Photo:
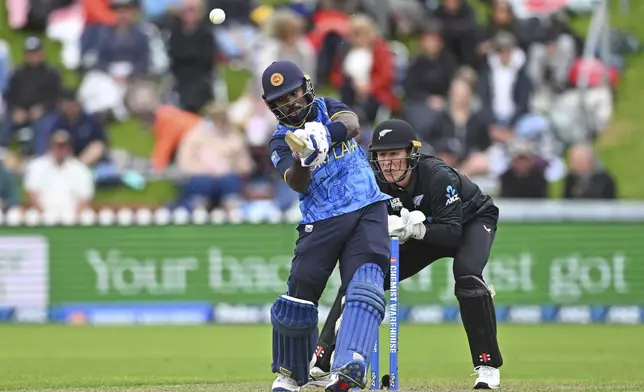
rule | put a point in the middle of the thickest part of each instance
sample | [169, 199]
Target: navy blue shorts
[353, 239]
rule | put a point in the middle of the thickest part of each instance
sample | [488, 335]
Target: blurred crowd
[504, 96]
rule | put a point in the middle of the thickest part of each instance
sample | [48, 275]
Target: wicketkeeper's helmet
[394, 134]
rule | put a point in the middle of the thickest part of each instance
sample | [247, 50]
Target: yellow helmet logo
[277, 79]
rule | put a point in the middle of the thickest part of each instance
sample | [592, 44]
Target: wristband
[338, 131]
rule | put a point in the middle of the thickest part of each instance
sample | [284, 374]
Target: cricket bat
[295, 143]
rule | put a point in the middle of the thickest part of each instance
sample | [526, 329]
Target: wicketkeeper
[436, 212]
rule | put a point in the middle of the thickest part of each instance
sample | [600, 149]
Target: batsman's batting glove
[317, 147]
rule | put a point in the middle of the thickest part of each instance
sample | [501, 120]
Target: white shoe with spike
[284, 384]
[488, 378]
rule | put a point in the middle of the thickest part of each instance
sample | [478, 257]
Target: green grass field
[237, 358]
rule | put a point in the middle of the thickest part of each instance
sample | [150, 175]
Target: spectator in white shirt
[504, 87]
[59, 185]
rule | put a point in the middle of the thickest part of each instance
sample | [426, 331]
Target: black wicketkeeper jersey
[448, 199]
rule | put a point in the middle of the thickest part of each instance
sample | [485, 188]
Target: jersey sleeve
[281, 155]
[444, 190]
[335, 107]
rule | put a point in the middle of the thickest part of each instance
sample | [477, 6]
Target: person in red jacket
[365, 71]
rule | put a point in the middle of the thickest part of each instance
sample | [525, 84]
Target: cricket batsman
[436, 212]
[344, 218]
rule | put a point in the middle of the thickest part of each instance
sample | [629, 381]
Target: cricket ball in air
[217, 16]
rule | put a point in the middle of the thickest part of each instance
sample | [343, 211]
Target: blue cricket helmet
[281, 79]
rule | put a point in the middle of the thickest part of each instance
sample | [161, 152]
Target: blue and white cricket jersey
[343, 183]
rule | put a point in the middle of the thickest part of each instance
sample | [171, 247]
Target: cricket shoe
[319, 377]
[349, 376]
[488, 378]
[284, 384]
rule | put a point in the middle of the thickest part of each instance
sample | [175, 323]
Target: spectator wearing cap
[32, 92]
[504, 87]
[192, 50]
[525, 178]
[87, 138]
[427, 81]
[58, 184]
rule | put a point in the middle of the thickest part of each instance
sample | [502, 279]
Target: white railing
[511, 211]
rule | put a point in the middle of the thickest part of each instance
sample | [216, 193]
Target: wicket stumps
[392, 381]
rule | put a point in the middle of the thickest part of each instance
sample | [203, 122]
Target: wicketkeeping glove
[407, 225]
